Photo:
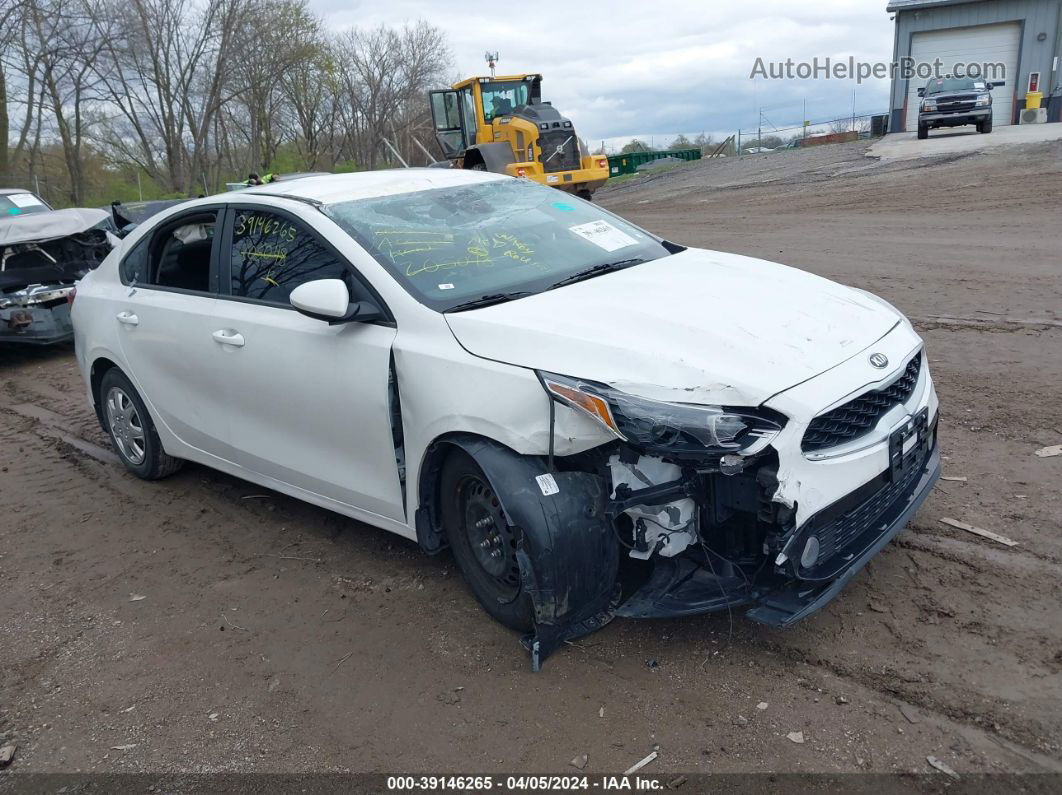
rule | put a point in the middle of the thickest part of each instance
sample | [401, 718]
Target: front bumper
[800, 598]
[590, 177]
[944, 119]
[36, 325]
[681, 587]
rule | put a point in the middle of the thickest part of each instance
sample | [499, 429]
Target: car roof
[332, 188]
[8, 191]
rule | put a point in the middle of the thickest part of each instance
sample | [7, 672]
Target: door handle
[226, 337]
[128, 319]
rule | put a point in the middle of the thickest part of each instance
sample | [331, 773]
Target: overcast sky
[657, 67]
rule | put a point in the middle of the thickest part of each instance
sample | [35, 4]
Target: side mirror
[997, 84]
[921, 92]
[329, 300]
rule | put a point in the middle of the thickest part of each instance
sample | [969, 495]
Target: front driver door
[308, 401]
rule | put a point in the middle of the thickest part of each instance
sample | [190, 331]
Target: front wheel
[483, 542]
[585, 195]
[131, 429]
[985, 127]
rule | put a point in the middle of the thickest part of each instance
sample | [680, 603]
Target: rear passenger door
[308, 401]
[165, 317]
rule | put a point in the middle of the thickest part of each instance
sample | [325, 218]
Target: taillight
[521, 172]
[70, 296]
[602, 163]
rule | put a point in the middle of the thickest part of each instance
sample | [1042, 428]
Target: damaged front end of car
[684, 513]
[41, 258]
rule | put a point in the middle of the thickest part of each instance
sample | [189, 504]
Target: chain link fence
[769, 137]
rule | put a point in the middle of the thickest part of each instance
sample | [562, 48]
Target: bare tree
[191, 92]
[166, 73]
[278, 36]
[61, 47]
[310, 87]
[385, 74]
[10, 24]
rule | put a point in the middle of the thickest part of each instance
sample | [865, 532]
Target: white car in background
[596, 421]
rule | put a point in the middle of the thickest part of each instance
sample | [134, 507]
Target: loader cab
[463, 115]
[502, 97]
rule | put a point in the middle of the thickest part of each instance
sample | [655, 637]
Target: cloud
[623, 68]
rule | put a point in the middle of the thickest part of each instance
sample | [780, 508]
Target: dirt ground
[201, 624]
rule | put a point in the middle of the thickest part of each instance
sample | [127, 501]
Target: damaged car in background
[43, 252]
[596, 421]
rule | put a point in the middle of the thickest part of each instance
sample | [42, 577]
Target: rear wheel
[132, 432]
[923, 132]
[483, 542]
[478, 167]
[586, 195]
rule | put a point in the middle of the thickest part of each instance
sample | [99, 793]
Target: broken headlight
[671, 429]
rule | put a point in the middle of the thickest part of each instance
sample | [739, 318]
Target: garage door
[982, 44]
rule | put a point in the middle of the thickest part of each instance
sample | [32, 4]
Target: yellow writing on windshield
[418, 251]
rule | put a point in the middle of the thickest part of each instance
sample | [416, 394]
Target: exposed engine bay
[41, 258]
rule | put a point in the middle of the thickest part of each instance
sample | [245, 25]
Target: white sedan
[596, 421]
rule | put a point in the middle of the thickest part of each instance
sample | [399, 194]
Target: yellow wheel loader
[501, 124]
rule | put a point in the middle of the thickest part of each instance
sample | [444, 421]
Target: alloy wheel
[126, 427]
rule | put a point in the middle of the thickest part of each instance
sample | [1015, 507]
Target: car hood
[42, 227]
[696, 327]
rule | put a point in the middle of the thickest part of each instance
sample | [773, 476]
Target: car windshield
[941, 85]
[21, 204]
[448, 246]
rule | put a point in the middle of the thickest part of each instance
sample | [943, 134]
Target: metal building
[1023, 35]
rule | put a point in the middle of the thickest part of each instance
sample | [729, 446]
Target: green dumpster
[618, 165]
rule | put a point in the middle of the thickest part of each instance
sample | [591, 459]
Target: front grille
[955, 106]
[564, 158]
[840, 535]
[858, 416]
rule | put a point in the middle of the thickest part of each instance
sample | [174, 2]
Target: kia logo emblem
[879, 360]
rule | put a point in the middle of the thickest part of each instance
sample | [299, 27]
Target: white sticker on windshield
[604, 235]
[547, 485]
[446, 286]
[24, 200]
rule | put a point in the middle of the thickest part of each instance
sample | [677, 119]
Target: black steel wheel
[483, 542]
